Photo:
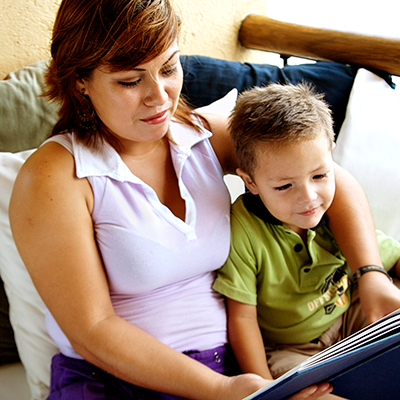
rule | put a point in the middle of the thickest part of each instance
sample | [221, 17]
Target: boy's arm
[351, 222]
[245, 338]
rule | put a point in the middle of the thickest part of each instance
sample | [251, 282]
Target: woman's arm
[351, 222]
[50, 214]
[245, 338]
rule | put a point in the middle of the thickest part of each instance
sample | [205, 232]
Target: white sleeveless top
[160, 268]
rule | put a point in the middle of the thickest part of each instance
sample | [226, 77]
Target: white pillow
[34, 345]
[222, 106]
[368, 146]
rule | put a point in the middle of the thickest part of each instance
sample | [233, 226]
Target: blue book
[363, 366]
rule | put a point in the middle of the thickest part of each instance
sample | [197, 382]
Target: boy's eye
[319, 176]
[284, 187]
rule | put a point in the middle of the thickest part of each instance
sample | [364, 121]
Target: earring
[87, 117]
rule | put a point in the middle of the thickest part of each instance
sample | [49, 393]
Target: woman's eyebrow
[172, 56]
[166, 62]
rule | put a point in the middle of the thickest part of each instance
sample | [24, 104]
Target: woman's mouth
[156, 119]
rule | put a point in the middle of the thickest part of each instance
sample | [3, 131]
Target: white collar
[108, 162]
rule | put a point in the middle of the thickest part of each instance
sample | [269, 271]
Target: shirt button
[298, 248]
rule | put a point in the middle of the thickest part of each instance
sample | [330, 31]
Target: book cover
[362, 366]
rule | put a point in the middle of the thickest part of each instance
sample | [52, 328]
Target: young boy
[290, 292]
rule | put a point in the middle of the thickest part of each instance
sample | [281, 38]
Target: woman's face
[137, 105]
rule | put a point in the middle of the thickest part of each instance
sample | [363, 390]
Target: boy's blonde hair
[277, 114]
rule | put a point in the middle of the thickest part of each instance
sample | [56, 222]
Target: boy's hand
[378, 296]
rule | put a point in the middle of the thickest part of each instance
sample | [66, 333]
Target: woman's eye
[284, 187]
[129, 84]
[169, 71]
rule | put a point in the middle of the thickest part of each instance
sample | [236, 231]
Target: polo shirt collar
[254, 204]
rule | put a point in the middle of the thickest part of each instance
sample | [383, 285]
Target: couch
[364, 104]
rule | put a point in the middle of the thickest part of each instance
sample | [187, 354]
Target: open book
[363, 366]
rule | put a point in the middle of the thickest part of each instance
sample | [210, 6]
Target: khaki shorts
[282, 358]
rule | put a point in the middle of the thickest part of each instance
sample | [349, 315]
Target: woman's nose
[157, 94]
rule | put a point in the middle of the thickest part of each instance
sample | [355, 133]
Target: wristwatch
[368, 268]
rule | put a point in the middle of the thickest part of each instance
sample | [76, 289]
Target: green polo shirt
[299, 289]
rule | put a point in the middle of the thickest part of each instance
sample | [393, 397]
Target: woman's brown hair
[119, 34]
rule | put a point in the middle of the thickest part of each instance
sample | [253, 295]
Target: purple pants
[73, 379]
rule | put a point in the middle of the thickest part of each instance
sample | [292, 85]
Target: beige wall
[25, 27]
[210, 27]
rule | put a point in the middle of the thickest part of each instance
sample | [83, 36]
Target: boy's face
[295, 181]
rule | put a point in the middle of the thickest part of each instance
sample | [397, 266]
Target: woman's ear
[250, 184]
[80, 86]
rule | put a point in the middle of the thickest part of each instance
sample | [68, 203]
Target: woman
[121, 217]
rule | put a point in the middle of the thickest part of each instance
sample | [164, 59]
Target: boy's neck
[254, 204]
[300, 231]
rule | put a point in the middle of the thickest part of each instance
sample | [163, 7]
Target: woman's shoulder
[50, 171]
[50, 159]
[222, 142]
[64, 139]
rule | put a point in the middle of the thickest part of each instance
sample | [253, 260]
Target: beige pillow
[25, 118]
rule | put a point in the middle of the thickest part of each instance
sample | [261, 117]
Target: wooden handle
[263, 33]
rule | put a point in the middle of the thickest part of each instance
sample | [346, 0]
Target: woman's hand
[241, 386]
[313, 392]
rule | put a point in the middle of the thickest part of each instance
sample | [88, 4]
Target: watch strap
[368, 268]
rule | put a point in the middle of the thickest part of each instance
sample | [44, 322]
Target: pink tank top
[160, 268]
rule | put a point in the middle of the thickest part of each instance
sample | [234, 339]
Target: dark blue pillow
[207, 79]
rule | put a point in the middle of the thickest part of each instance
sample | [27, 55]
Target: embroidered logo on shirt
[335, 286]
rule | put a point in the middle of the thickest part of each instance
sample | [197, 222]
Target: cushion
[26, 308]
[8, 348]
[207, 79]
[25, 118]
[368, 146]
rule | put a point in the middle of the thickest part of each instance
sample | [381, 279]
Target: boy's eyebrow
[166, 62]
[285, 178]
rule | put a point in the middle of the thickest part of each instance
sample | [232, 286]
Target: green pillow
[26, 119]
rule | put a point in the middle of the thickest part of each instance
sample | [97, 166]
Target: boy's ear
[250, 184]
